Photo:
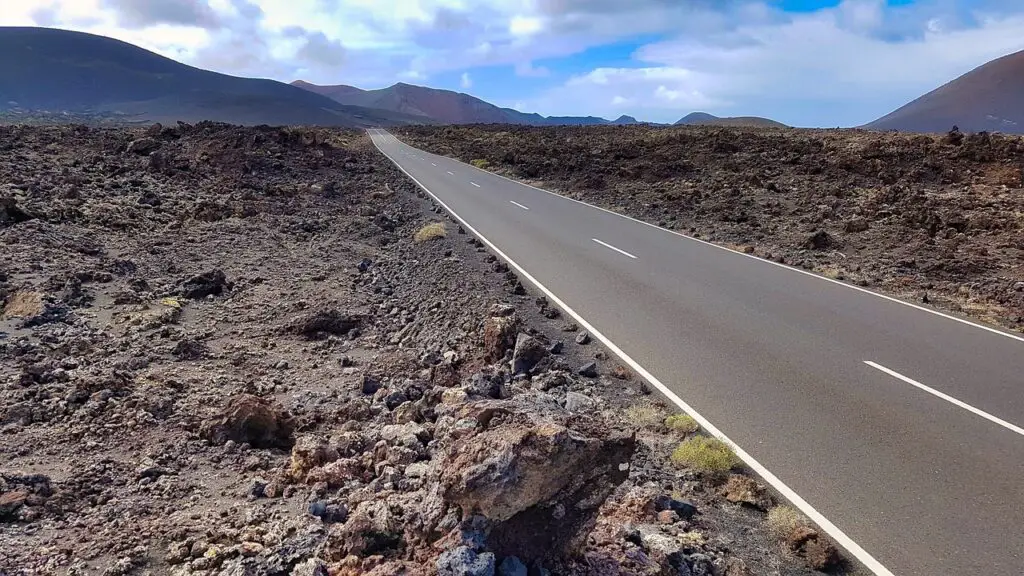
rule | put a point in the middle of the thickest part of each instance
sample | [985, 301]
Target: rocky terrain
[935, 219]
[233, 351]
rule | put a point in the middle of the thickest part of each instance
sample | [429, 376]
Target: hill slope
[444, 106]
[990, 98]
[46, 69]
[705, 119]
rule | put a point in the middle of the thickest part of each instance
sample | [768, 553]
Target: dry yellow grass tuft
[645, 415]
[682, 423]
[705, 454]
[431, 231]
[693, 538]
[23, 304]
[480, 163]
[783, 520]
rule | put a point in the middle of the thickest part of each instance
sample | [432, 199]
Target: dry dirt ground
[223, 352]
[935, 219]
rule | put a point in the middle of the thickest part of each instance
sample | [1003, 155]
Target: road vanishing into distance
[896, 428]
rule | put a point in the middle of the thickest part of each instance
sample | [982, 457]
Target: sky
[822, 63]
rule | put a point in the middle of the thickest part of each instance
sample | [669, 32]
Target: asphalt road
[914, 462]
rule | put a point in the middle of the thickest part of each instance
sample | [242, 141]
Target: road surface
[897, 428]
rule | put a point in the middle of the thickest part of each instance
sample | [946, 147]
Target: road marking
[432, 164]
[947, 398]
[450, 173]
[619, 250]
[475, 184]
[788, 493]
[518, 204]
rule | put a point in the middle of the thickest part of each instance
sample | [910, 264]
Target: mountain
[988, 98]
[574, 121]
[46, 69]
[705, 119]
[625, 120]
[445, 106]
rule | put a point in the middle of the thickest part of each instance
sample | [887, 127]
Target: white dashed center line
[450, 173]
[475, 184]
[518, 204]
[619, 250]
[947, 398]
[432, 164]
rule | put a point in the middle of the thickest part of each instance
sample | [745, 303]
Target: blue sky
[803, 62]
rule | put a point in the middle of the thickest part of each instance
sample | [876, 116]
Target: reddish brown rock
[499, 336]
[507, 474]
[11, 502]
[668, 517]
[745, 490]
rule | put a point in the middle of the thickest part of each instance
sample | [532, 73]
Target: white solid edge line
[788, 493]
[947, 398]
[475, 184]
[783, 266]
[518, 204]
[619, 250]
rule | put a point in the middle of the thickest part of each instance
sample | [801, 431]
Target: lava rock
[149, 198]
[487, 386]
[745, 490]
[684, 509]
[252, 420]
[583, 338]
[589, 370]
[512, 566]
[528, 353]
[820, 240]
[499, 334]
[143, 146]
[320, 324]
[576, 402]
[464, 561]
[211, 283]
[11, 213]
[370, 384]
[317, 508]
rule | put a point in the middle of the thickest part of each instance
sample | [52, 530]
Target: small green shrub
[480, 163]
[705, 454]
[683, 423]
[431, 231]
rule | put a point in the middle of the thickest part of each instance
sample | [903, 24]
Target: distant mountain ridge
[705, 119]
[65, 74]
[446, 106]
[988, 98]
[46, 69]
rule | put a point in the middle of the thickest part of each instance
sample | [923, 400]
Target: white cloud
[843, 66]
[465, 82]
[381, 39]
[849, 63]
[651, 92]
[525, 26]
